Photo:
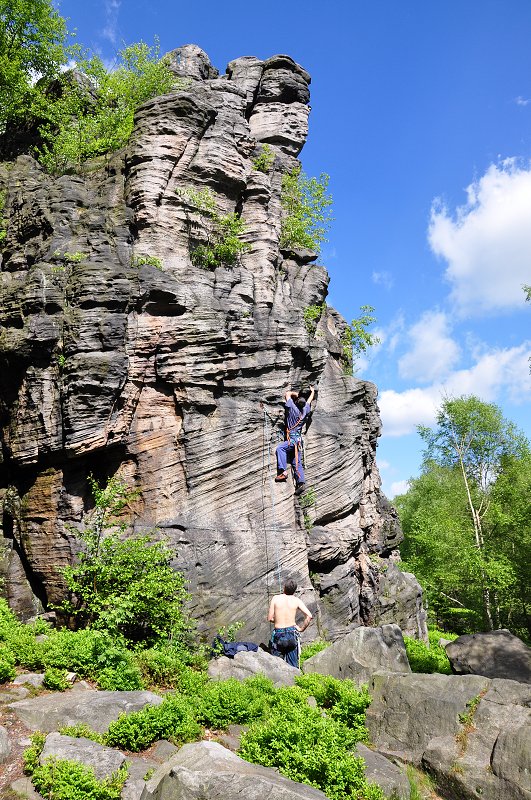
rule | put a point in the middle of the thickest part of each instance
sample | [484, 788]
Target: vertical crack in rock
[157, 375]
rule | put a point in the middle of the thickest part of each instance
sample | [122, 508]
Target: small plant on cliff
[150, 261]
[124, 585]
[223, 232]
[306, 210]
[265, 160]
[356, 339]
[312, 315]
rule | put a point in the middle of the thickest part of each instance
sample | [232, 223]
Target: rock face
[112, 366]
[498, 654]
[206, 769]
[361, 653]
[245, 665]
[472, 733]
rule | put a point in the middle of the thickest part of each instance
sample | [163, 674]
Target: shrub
[312, 315]
[67, 780]
[82, 731]
[7, 664]
[224, 244]
[55, 679]
[309, 748]
[309, 650]
[231, 702]
[265, 160]
[126, 587]
[344, 701]
[172, 719]
[356, 339]
[306, 210]
[427, 659]
[94, 114]
[31, 755]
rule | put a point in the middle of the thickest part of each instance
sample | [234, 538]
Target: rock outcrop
[471, 733]
[361, 653]
[497, 654]
[246, 665]
[171, 376]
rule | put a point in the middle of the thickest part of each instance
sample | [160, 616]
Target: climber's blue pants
[286, 453]
[285, 644]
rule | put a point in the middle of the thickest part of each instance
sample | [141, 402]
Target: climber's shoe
[299, 489]
[281, 477]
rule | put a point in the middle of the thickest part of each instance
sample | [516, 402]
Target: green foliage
[467, 717]
[223, 232]
[151, 261]
[55, 679]
[308, 499]
[231, 702]
[265, 160]
[344, 700]
[125, 586]
[312, 315]
[164, 666]
[527, 291]
[58, 779]
[32, 42]
[31, 755]
[93, 114]
[173, 719]
[306, 210]
[7, 664]
[427, 659]
[74, 258]
[311, 649]
[308, 747]
[82, 731]
[356, 339]
[228, 634]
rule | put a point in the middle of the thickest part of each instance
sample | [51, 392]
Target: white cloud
[384, 279]
[496, 374]
[433, 352]
[487, 244]
[522, 101]
[398, 487]
[110, 31]
[383, 464]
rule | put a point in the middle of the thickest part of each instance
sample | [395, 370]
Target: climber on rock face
[282, 613]
[297, 409]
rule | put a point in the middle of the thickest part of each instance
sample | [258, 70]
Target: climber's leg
[298, 469]
[282, 461]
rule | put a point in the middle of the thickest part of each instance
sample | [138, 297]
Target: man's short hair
[290, 587]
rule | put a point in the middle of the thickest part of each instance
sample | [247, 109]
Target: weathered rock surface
[207, 769]
[156, 375]
[472, 733]
[246, 664]
[361, 653]
[5, 747]
[498, 654]
[94, 708]
[103, 760]
[35, 679]
[378, 769]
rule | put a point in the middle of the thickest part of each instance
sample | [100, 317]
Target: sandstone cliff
[158, 375]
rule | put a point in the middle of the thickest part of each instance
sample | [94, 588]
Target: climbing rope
[273, 522]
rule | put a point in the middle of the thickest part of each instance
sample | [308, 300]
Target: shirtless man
[282, 612]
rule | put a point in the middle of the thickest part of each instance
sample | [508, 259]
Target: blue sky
[421, 115]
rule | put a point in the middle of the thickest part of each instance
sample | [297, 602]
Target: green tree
[125, 584]
[473, 439]
[32, 45]
[356, 339]
[93, 112]
[306, 210]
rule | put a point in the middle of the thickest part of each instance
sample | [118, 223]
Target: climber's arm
[307, 617]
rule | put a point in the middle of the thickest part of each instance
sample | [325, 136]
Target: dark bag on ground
[229, 649]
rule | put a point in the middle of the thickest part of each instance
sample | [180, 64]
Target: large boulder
[498, 654]
[379, 770]
[471, 733]
[361, 653]
[103, 760]
[208, 770]
[246, 664]
[93, 708]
